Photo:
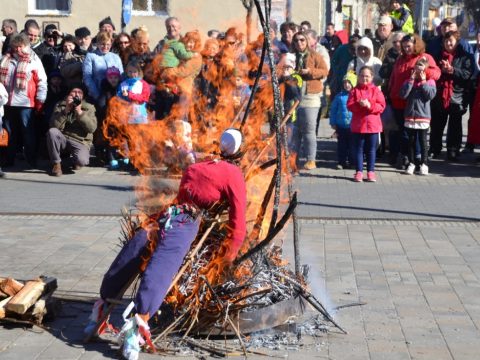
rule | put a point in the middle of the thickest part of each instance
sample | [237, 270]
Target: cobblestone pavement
[408, 247]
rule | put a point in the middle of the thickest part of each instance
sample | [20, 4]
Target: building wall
[201, 14]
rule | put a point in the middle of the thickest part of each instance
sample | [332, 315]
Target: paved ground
[407, 246]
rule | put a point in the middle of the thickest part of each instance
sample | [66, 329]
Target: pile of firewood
[26, 301]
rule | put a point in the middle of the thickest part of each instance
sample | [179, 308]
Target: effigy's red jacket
[207, 182]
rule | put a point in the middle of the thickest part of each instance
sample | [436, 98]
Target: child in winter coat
[108, 89]
[340, 119]
[366, 102]
[3, 101]
[291, 84]
[136, 92]
[418, 91]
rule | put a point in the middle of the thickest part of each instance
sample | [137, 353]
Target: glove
[38, 106]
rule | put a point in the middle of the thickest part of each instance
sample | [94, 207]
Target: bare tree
[248, 4]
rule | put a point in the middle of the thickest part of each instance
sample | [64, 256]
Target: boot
[57, 169]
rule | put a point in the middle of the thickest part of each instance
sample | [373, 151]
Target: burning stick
[271, 235]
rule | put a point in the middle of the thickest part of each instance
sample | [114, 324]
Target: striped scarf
[20, 74]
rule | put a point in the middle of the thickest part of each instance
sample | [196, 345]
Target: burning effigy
[211, 250]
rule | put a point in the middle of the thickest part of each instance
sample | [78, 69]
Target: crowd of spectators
[56, 89]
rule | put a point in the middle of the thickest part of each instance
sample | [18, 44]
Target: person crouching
[71, 130]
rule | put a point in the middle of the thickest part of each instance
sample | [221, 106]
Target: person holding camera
[71, 130]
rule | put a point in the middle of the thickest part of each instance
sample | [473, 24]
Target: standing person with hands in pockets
[366, 102]
[418, 91]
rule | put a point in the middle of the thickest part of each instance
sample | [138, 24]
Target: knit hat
[230, 142]
[107, 20]
[351, 78]
[112, 71]
[82, 32]
[290, 60]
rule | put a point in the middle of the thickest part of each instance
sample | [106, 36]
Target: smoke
[318, 286]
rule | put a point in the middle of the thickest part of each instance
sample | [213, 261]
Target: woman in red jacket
[366, 102]
[413, 48]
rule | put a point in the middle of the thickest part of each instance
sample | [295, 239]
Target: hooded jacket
[402, 71]
[364, 120]
[372, 61]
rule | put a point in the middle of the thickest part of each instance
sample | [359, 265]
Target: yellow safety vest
[408, 26]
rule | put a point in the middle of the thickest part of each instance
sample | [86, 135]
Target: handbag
[3, 137]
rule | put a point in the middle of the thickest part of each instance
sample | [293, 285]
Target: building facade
[202, 15]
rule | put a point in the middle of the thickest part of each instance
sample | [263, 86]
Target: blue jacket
[94, 69]
[339, 115]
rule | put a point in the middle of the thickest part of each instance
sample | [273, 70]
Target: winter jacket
[36, 89]
[366, 121]
[70, 66]
[418, 95]
[381, 47]
[387, 68]
[74, 127]
[339, 114]
[48, 55]
[95, 67]
[375, 63]
[138, 93]
[339, 65]
[463, 68]
[402, 20]
[173, 51]
[318, 71]
[3, 101]
[402, 71]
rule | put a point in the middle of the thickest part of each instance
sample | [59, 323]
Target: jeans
[365, 143]
[417, 136]
[306, 134]
[20, 124]
[344, 146]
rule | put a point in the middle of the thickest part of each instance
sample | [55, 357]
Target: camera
[76, 101]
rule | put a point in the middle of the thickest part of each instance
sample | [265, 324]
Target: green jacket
[74, 127]
[173, 52]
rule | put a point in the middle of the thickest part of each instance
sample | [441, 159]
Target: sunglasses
[300, 40]
[124, 42]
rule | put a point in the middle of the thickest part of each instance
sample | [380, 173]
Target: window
[149, 7]
[49, 7]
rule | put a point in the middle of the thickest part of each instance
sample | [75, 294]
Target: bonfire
[208, 298]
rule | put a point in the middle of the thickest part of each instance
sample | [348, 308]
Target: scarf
[446, 81]
[300, 60]
[20, 74]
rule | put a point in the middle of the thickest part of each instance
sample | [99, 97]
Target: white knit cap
[230, 142]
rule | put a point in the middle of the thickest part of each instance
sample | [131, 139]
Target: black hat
[48, 29]
[78, 85]
[82, 32]
[107, 20]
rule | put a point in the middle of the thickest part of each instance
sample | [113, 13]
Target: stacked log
[26, 301]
